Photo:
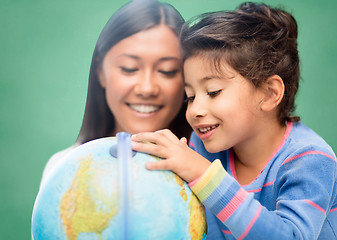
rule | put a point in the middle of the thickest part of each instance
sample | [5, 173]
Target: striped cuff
[209, 181]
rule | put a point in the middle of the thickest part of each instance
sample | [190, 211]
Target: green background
[46, 49]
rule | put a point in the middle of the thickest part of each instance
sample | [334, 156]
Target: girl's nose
[196, 109]
[147, 86]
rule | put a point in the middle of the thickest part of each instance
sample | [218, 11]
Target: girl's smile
[206, 131]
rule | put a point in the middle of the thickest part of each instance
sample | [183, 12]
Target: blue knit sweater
[294, 197]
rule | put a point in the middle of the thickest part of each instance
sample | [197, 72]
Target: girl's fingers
[161, 137]
[148, 137]
[166, 134]
[148, 148]
[144, 137]
[160, 165]
[183, 140]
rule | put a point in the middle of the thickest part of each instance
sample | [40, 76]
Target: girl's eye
[214, 93]
[189, 99]
[128, 70]
[169, 73]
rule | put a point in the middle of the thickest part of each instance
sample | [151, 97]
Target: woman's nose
[147, 85]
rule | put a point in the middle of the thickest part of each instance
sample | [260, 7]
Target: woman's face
[142, 77]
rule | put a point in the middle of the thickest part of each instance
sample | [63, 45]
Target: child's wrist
[201, 174]
[191, 184]
[208, 174]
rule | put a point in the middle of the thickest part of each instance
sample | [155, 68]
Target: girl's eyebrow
[204, 79]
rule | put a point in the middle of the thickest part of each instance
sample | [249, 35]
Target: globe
[102, 190]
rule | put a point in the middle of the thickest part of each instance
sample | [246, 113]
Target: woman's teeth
[144, 108]
[207, 129]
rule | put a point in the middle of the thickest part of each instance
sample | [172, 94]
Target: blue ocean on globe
[101, 190]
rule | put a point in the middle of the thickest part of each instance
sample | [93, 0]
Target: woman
[135, 81]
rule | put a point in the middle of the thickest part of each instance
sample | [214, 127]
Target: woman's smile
[144, 108]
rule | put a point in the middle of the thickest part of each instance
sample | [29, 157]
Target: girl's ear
[274, 92]
[100, 75]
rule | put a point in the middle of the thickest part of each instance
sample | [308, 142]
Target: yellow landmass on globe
[182, 192]
[197, 223]
[86, 207]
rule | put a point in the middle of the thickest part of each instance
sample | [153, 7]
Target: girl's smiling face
[142, 77]
[223, 108]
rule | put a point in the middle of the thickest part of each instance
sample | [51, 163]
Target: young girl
[259, 171]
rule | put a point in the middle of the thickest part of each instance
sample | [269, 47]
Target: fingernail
[148, 165]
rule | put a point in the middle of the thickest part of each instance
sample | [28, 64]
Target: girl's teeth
[144, 108]
[207, 129]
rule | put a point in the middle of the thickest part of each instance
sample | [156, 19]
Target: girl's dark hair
[256, 40]
[136, 16]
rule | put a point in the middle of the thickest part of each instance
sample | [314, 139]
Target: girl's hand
[176, 154]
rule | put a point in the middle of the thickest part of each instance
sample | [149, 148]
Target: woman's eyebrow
[163, 59]
[169, 59]
[130, 56]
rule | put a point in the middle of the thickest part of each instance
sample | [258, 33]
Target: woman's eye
[169, 73]
[128, 70]
[189, 99]
[214, 93]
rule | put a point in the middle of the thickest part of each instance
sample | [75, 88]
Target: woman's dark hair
[134, 17]
[256, 40]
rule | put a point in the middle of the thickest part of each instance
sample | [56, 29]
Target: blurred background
[46, 48]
